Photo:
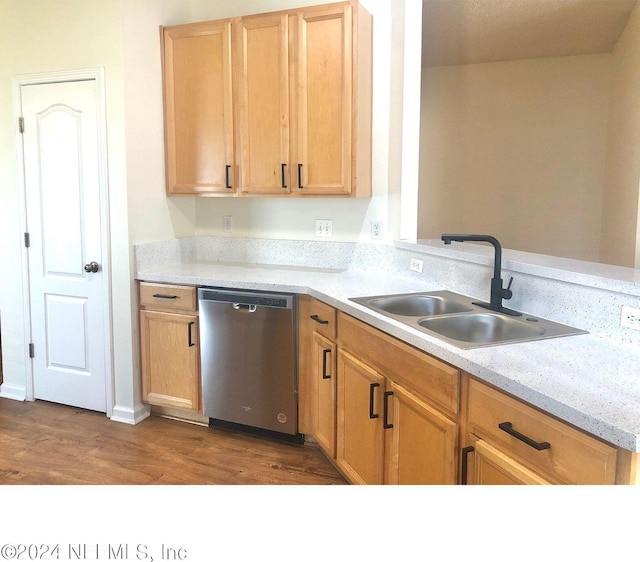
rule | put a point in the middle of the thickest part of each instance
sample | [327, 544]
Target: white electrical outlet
[630, 318]
[227, 222]
[376, 229]
[324, 228]
[415, 265]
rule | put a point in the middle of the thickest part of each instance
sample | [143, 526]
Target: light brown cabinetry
[317, 372]
[508, 442]
[396, 410]
[298, 85]
[198, 108]
[262, 44]
[420, 446]
[169, 346]
[332, 149]
[360, 451]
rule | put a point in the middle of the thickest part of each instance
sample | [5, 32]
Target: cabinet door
[324, 372]
[360, 439]
[198, 108]
[170, 359]
[421, 446]
[324, 101]
[490, 466]
[263, 104]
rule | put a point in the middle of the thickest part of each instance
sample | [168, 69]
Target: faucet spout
[498, 291]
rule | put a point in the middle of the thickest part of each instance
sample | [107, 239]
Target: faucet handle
[506, 293]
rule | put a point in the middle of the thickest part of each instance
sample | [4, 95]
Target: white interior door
[62, 182]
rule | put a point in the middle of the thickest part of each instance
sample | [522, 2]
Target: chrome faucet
[498, 291]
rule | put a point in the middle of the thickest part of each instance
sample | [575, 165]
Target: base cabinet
[317, 372]
[510, 442]
[360, 450]
[388, 431]
[324, 374]
[420, 443]
[492, 467]
[169, 346]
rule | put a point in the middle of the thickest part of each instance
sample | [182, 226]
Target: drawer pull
[508, 428]
[385, 422]
[283, 172]
[159, 296]
[317, 319]
[465, 464]
[325, 352]
[372, 388]
[190, 325]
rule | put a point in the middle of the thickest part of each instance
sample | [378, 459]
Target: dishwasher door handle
[244, 307]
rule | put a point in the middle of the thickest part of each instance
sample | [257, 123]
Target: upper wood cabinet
[332, 150]
[275, 104]
[198, 108]
[263, 104]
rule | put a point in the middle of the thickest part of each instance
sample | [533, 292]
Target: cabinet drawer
[168, 297]
[323, 319]
[430, 378]
[563, 453]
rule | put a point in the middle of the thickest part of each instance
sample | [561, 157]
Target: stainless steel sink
[417, 305]
[454, 318]
[482, 328]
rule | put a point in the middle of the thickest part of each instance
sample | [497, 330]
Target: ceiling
[473, 31]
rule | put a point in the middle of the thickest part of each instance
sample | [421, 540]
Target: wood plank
[45, 443]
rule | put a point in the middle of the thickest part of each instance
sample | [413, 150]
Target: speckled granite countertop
[587, 380]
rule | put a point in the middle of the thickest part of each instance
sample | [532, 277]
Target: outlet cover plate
[630, 317]
[376, 229]
[324, 228]
[227, 223]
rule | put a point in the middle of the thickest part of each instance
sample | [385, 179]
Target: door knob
[92, 267]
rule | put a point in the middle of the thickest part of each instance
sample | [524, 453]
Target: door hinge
[27, 240]
[32, 350]
[21, 124]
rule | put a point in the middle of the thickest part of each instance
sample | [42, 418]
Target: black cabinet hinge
[32, 350]
[27, 240]
[21, 124]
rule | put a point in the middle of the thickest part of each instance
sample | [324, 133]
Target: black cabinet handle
[300, 186]
[385, 422]
[227, 170]
[159, 296]
[283, 171]
[191, 344]
[317, 319]
[372, 388]
[465, 464]
[325, 352]
[508, 428]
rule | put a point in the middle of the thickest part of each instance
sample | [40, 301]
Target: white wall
[517, 149]
[123, 37]
[621, 212]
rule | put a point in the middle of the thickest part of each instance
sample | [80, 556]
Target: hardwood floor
[44, 443]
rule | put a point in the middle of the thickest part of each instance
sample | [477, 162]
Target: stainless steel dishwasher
[248, 359]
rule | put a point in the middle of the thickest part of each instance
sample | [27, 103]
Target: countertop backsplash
[581, 294]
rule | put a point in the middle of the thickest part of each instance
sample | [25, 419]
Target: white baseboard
[13, 392]
[131, 416]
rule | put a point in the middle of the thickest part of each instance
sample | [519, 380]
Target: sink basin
[456, 319]
[417, 305]
[483, 328]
